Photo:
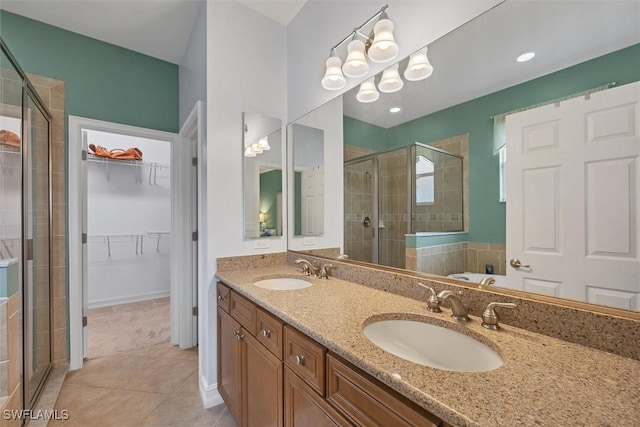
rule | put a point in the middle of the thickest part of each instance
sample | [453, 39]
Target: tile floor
[152, 386]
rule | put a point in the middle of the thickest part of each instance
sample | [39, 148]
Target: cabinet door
[304, 408]
[229, 363]
[262, 403]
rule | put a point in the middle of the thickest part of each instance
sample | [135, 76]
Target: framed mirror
[262, 175]
[476, 79]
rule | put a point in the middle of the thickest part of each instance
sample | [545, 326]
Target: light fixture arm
[356, 31]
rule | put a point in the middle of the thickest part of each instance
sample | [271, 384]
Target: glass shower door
[37, 250]
[360, 216]
[393, 205]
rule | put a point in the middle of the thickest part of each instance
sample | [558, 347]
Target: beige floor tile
[97, 406]
[152, 374]
[225, 420]
[165, 350]
[182, 410]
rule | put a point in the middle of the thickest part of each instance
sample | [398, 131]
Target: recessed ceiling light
[525, 57]
[394, 109]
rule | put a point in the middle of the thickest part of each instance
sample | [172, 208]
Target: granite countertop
[544, 381]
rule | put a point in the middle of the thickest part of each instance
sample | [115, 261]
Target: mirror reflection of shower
[411, 190]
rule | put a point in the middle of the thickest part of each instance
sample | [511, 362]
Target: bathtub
[501, 281]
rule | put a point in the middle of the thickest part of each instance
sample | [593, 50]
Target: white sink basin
[283, 284]
[432, 345]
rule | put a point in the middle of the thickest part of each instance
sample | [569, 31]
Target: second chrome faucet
[458, 310]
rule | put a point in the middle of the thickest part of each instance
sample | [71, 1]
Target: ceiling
[158, 28]
[479, 58]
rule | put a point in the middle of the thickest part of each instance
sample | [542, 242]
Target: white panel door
[312, 190]
[572, 209]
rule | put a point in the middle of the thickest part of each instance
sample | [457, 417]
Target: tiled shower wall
[451, 187]
[358, 204]
[392, 200]
[446, 259]
[52, 93]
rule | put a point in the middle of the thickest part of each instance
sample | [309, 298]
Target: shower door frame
[29, 92]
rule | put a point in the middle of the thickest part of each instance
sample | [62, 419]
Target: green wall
[487, 216]
[364, 135]
[270, 186]
[102, 81]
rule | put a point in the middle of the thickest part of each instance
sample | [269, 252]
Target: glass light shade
[391, 81]
[356, 64]
[384, 47]
[419, 67]
[368, 92]
[263, 144]
[333, 78]
[255, 149]
[248, 152]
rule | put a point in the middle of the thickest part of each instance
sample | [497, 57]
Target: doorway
[128, 232]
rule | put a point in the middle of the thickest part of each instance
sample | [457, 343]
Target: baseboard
[209, 394]
[128, 299]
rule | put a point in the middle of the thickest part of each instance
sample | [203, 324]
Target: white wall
[246, 71]
[192, 72]
[321, 24]
[122, 202]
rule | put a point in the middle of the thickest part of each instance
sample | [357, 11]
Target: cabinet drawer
[303, 407]
[244, 311]
[269, 332]
[223, 296]
[305, 357]
[366, 402]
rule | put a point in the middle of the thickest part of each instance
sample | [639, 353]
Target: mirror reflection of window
[424, 181]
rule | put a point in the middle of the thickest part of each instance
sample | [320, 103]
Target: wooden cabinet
[305, 357]
[366, 402]
[303, 406]
[271, 374]
[229, 363]
[250, 378]
[262, 403]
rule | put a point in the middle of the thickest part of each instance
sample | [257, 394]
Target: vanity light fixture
[333, 78]
[382, 48]
[263, 144]
[255, 148]
[419, 67]
[368, 92]
[356, 64]
[526, 57]
[390, 81]
[248, 152]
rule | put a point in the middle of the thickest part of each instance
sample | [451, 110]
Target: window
[424, 181]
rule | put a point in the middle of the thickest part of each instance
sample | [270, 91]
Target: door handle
[515, 263]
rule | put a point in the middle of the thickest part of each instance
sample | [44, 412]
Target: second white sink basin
[432, 345]
[283, 284]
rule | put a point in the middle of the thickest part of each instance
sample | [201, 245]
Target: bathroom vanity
[299, 357]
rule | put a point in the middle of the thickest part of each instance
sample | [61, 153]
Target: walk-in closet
[128, 221]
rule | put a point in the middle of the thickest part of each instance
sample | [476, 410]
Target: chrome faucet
[458, 310]
[343, 256]
[308, 268]
[488, 281]
[490, 318]
[433, 303]
[324, 271]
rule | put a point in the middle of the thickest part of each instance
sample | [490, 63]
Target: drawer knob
[266, 333]
[238, 335]
[221, 297]
[299, 359]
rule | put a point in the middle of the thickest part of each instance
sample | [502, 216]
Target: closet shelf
[137, 165]
[138, 239]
